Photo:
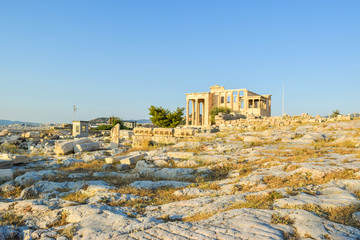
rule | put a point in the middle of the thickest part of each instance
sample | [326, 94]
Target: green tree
[165, 118]
[335, 113]
[216, 110]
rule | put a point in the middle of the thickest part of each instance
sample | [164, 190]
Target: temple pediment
[216, 88]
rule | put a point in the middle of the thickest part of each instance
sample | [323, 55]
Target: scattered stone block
[114, 159]
[66, 147]
[15, 158]
[133, 159]
[85, 147]
[31, 135]
[122, 167]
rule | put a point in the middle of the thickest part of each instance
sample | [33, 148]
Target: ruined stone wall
[160, 135]
[234, 121]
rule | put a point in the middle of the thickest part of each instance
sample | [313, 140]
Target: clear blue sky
[120, 57]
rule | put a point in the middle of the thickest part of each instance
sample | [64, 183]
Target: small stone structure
[241, 101]
[80, 128]
[130, 124]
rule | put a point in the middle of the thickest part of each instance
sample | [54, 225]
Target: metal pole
[74, 107]
[283, 100]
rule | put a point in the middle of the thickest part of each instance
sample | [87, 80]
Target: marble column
[197, 119]
[193, 112]
[225, 99]
[187, 112]
[203, 113]
[206, 113]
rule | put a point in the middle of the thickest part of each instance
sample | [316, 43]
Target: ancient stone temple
[240, 101]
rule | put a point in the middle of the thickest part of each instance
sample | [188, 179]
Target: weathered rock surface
[154, 185]
[6, 175]
[30, 178]
[295, 179]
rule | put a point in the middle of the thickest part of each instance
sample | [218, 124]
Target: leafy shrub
[335, 113]
[162, 117]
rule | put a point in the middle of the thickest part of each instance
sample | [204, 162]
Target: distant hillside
[101, 120]
[8, 122]
[105, 120]
[142, 121]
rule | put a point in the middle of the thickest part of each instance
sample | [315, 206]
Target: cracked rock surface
[285, 182]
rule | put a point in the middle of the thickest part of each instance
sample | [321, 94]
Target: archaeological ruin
[240, 101]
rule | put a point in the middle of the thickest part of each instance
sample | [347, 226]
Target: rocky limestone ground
[289, 182]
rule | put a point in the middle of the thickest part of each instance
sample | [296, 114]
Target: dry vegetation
[9, 218]
[78, 196]
[61, 221]
[278, 219]
[150, 197]
[68, 231]
[199, 216]
[304, 179]
[92, 166]
[259, 201]
[11, 193]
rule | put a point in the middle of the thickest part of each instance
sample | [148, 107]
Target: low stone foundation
[160, 135]
[238, 121]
